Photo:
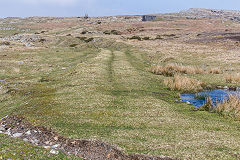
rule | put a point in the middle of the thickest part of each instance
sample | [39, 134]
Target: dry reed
[209, 105]
[232, 78]
[230, 107]
[181, 83]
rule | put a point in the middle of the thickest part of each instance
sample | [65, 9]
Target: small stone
[25, 140]
[28, 132]
[2, 129]
[35, 140]
[46, 147]
[188, 103]
[8, 132]
[219, 87]
[63, 68]
[20, 62]
[55, 146]
[74, 142]
[109, 155]
[16, 135]
[225, 87]
[54, 151]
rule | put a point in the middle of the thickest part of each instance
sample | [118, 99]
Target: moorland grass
[107, 94]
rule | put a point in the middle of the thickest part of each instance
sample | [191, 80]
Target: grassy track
[107, 94]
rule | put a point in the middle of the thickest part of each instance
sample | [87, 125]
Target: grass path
[109, 95]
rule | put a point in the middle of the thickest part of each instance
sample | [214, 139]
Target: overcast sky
[26, 8]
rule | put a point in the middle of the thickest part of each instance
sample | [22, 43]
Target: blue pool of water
[217, 96]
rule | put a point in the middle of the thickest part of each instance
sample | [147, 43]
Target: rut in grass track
[137, 110]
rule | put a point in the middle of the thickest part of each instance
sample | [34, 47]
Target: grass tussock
[208, 105]
[185, 84]
[232, 78]
[230, 107]
[135, 37]
[172, 69]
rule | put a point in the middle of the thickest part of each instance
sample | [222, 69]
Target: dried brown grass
[172, 69]
[181, 83]
[230, 107]
[232, 78]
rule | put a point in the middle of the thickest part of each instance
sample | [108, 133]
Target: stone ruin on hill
[148, 18]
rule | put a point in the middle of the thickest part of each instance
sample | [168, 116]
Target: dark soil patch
[17, 127]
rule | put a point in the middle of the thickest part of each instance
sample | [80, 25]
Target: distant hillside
[211, 13]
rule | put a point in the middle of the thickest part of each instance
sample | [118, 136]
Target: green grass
[107, 94]
[17, 149]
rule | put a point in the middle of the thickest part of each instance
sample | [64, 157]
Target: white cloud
[51, 2]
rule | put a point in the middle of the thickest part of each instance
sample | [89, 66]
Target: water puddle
[198, 99]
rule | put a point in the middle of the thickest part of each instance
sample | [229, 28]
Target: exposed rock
[195, 13]
[46, 147]
[54, 151]
[27, 40]
[16, 135]
[25, 139]
[225, 87]
[28, 132]
[2, 129]
[55, 146]
[20, 62]
[188, 103]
